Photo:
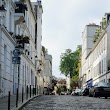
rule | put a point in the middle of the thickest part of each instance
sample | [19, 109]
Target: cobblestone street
[64, 102]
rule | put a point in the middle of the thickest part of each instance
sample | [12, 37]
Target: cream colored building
[95, 56]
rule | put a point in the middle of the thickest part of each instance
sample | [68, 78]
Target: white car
[72, 93]
[77, 91]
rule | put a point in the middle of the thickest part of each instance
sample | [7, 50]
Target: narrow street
[63, 102]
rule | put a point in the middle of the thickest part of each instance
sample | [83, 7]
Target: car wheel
[90, 95]
[106, 97]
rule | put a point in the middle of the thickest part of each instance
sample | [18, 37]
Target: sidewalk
[4, 101]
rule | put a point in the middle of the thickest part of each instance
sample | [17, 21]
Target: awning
[89, 83]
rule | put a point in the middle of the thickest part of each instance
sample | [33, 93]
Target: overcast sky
[64, 21]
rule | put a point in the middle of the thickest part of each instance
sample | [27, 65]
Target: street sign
[16, 52]
[16, 60]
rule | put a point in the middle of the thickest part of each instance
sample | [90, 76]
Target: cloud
[64, 21]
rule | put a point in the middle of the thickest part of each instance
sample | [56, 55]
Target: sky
[63, 23]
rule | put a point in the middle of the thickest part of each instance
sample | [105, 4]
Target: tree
[70, 61]
[67, 62]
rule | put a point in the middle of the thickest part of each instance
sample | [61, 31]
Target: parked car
[100, 89]
[72, 93]
[85, 91]
[68, 93]
[81, 92]
[62, 93]
[77, 91]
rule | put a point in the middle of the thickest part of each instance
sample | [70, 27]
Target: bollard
[30, 91]
[37, 90]
[27, 93]
[17, 97]
[9, 100]
[22, 94]
[33, 90]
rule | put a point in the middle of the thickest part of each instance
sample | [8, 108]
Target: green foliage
[104, 22]
[43, 49]
[70, 61]
[61, 89]
[95, 38]
[97, 34]
[23, 1]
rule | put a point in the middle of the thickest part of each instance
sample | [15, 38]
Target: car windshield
[103, 84]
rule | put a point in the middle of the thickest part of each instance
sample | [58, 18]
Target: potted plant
[95, 37]
[39, 70]
[26, 39]
[2, 8]
[18, 36]
[104, 22]
[21, 7]
[11, 33]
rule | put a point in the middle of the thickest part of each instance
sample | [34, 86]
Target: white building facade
[19, 22]
[48, 71]
[95, 56]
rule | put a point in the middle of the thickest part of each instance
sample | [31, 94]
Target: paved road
[64, 102]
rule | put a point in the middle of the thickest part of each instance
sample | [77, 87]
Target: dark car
[68, 93]
[100, 89]
[85, 92]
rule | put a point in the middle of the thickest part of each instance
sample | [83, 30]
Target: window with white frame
[99, 67]
[104, 43]
[5, 59]
[10, 21]
[102, 66]
[11, 62]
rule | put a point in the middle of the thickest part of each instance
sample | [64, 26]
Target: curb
[21, 105]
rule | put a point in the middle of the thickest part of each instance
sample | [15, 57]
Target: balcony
[2, 8]
[20, 7]
[20, 12]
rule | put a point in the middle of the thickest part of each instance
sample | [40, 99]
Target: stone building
[20, 44]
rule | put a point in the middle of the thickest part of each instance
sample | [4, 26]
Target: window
[5, 59]
[11, 62]
[108, 80]
[10, 22]
[104, 80]
[23, 75]
[102, 66]
[0, 70]
[28, 75]
[104, 43]
[99, 67]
